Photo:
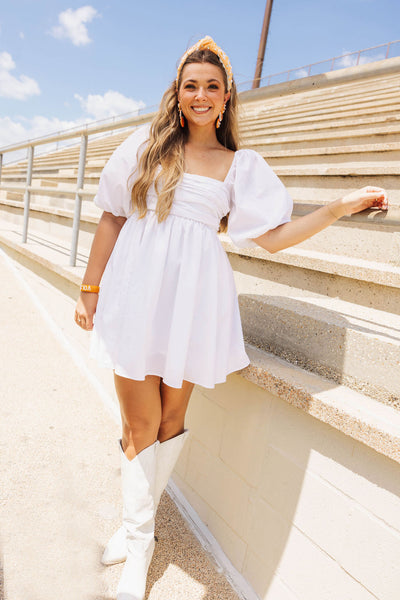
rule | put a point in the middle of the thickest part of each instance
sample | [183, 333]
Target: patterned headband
[208, 43]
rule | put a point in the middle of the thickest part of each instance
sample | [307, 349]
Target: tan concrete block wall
[303, 511]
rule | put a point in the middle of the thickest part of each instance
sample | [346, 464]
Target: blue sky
[64, 63]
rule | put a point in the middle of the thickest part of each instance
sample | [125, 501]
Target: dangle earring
[181, 119]
[220, 117]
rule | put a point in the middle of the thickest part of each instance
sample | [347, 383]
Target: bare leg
[174, 403]
[140, 406]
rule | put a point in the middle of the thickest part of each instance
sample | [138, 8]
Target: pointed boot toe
[116, 549]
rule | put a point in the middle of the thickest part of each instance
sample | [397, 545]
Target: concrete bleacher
[322, 319]
[330, 304]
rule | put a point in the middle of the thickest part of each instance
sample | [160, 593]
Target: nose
[201, 93]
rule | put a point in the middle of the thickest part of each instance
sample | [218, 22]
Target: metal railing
[82, 132]
[337, 62]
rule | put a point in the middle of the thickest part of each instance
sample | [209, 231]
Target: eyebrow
[195, 80]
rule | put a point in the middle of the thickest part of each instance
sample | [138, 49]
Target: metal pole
[1, 164]
[78, 200]
[27, 198]
[263, 43]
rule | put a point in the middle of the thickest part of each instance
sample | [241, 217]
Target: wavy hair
[165, 147]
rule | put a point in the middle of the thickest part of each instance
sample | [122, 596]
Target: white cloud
[111, 104]
[351, 59]
[299, 73]
[72, 25]
[10, 131]
[19, 88]
[21, 35]
[17, 129]
[20, 128]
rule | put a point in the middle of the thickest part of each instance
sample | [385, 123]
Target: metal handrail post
[78, 200]
[27, 197]
[1, 163]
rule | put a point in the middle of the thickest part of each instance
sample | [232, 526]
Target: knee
[138, 434]
[170, 426]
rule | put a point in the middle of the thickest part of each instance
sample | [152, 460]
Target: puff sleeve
[259, 200]
[114, 194]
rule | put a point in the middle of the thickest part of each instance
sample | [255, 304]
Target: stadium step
[340, 121]
[316, 189]
[347, 343]
[296, 116]
[339, 319]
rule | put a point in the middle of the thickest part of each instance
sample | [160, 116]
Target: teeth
[200, 109]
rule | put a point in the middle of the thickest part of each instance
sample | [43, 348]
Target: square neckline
[213, 178]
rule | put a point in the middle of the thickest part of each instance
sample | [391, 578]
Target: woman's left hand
[367, 197]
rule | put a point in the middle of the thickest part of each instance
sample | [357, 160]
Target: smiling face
[202, 93]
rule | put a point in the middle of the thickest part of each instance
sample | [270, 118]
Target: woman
[167, 314]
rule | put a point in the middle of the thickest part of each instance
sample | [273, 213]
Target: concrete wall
[349, 74]
[303, 511]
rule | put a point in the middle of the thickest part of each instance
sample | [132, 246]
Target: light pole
[263, 43]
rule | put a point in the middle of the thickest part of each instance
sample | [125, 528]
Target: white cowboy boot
[138, 486]
[167, 455]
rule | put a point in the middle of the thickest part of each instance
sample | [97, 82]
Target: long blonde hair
[166, 145]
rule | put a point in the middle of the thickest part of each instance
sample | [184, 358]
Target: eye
[189, 86]
[214, 86]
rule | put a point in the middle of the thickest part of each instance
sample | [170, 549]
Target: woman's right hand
[354, 202]
[85, 309]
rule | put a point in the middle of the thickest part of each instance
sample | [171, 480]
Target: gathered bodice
[199, 198]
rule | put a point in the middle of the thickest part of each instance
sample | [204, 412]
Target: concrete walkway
[59, 469]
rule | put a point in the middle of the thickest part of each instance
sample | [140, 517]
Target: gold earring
[181, 119]
[220, 117]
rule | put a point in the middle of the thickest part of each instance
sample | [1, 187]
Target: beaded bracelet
[90, 288]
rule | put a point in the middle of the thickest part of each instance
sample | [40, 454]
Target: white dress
[168, 304]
